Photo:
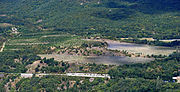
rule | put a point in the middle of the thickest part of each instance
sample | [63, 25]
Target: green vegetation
[16, 61]
[54, 66]
[138, 85]
[145, 77]
[58, 26]
[153, 76]
[165, 69]
[108, 18]
[55, 84]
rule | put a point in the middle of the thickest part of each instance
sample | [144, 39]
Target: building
[177, 78]
[14, 30]
[88, 75]
[26, 75]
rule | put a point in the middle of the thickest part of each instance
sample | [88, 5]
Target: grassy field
[43, 40]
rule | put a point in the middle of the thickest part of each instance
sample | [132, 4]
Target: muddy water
[117, 60]
[140, 48]
[110, 60]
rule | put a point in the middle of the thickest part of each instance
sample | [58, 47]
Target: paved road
[26, 75]
[88, 75]
[29, 75]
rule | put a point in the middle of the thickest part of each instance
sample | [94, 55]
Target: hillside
[117, 19]
[118, 45]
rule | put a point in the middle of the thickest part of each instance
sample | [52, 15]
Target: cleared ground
[140, 48]
[110, 60]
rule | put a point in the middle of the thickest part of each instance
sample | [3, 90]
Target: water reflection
[117, 60]
[140, 48]
[110, 60]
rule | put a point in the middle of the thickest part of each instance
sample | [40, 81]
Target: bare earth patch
[5, 25]
[136, 48]
[32, 67]
[109, 60]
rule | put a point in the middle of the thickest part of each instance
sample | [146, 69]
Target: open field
[140, 48]
[109, 60]
[46, 39]
[66, 58]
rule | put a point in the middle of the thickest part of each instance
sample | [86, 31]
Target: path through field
[3, 46]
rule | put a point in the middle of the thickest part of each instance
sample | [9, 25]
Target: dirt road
[3, 46]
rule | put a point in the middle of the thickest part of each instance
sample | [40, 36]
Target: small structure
[91, 79]
[177, 78]
[26, 75]
[14, 30]
[39, 21]
[81, 81]
[72, 84]
[98, 2]
[81, 3]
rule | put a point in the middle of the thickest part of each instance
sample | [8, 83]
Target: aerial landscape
[89, 46]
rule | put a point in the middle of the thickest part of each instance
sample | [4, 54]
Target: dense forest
[108, 18]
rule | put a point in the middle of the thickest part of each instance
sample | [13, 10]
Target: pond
[116, 60]
[109, 60]
[139, 48]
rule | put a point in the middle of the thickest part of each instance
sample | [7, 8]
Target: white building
[26, 75]
[88, 75]
[14, 30]
[177, 78]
